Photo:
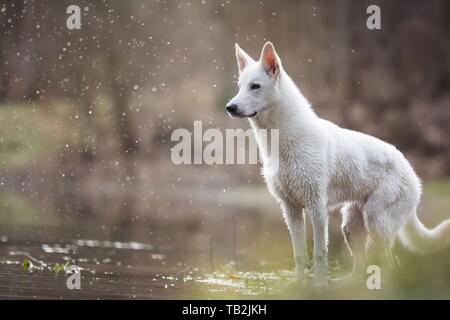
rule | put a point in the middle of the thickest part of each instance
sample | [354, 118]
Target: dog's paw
[301, 274]
[320, 282]
[300, 279]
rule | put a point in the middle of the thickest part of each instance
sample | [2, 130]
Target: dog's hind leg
[385, 213]
[295, 221]
[355, 236]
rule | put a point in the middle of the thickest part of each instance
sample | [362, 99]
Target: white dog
[322, 165]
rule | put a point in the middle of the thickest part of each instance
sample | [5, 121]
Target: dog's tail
[419, 239]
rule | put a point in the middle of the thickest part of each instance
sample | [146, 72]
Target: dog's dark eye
[254, 86]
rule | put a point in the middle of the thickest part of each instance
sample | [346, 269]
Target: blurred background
[86, 118]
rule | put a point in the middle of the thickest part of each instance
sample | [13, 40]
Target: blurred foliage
[95, 107]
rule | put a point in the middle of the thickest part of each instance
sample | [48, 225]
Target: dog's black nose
[231, 108]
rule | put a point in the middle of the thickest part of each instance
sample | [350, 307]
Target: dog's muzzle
[232, 111]
[231, 108]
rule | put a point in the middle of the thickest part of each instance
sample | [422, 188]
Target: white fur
[322, 165]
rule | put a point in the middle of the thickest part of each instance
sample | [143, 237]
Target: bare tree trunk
[129, 149]
[13, 37]
[127, 138]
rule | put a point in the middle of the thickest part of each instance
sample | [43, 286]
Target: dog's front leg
[319, 219]
[295, 221]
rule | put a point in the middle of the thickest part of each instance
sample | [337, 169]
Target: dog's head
[258, 83]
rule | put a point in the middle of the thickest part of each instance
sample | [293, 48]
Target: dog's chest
[288, 181]
[296, 172]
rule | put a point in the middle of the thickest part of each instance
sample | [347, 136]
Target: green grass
[28, 132]
[17, 209]
[435, 204]
[439, 188]
[31, 131]
[227, 282]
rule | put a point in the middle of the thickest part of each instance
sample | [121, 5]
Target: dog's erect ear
[270, 60]
[243, 59]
